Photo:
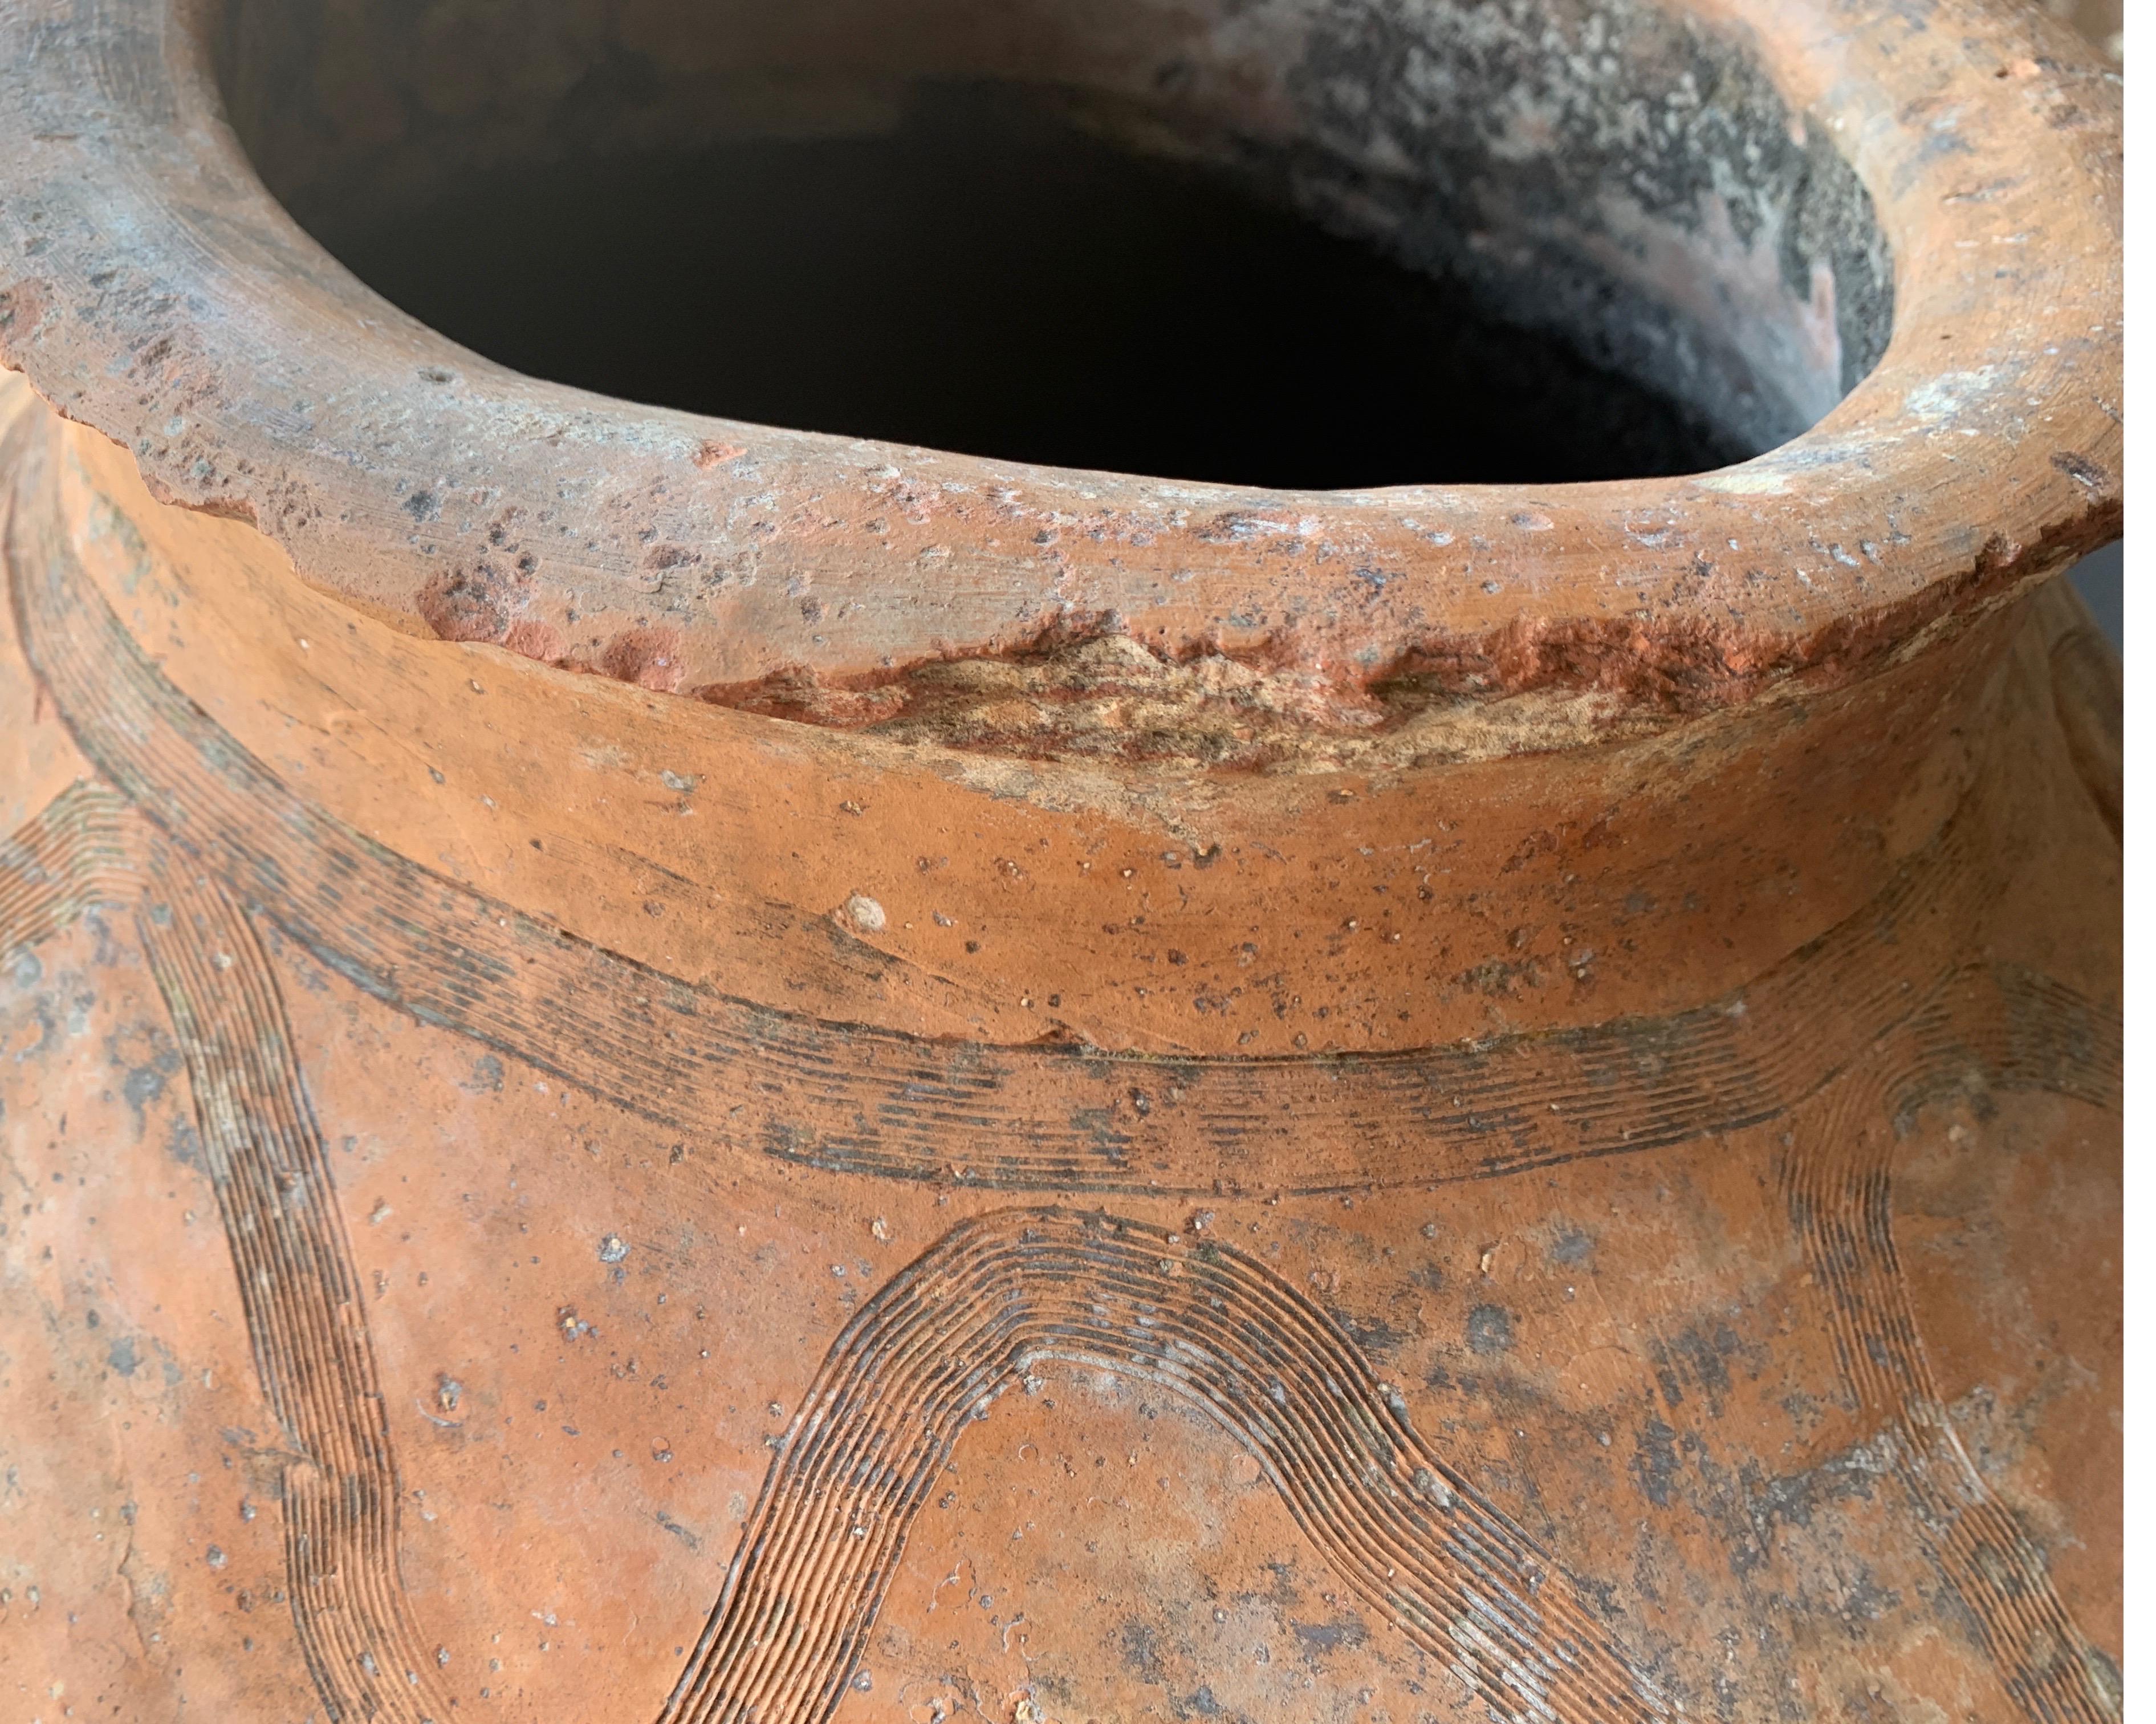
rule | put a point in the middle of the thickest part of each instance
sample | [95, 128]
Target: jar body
[554, 1196]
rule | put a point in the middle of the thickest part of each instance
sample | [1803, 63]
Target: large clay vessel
[655, 1069]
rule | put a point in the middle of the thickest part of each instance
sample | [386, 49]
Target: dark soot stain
[1012, 287]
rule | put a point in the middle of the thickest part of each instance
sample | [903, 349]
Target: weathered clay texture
[656, 1069]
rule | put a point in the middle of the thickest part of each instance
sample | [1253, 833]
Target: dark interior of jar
[1285, 245]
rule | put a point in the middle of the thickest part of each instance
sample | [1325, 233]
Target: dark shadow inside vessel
[982, 280]
[883, 222]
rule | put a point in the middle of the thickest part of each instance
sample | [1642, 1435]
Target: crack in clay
[1096, 693]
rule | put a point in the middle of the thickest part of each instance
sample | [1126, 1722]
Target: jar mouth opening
[1304, 248]
[164, 289]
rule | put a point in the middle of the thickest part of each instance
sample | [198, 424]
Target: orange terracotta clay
[658, 1069]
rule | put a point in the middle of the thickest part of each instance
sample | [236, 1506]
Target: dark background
[2100, 581]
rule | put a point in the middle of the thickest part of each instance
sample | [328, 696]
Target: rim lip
[135, 218]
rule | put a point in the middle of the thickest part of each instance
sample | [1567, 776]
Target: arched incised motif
[1005, 1291]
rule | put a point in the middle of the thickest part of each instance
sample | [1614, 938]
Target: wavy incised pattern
[997, 1294]
[1838, 1181]
[263, 1152]
[724, 1070]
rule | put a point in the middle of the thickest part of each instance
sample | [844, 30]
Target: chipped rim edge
[135, 226]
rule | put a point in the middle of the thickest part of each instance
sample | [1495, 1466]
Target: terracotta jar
[655, 1069]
